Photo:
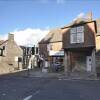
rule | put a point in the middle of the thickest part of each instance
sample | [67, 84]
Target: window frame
[77, 35]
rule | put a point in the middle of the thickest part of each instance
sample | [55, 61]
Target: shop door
[89, 63]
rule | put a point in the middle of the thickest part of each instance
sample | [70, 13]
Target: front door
[89, 63]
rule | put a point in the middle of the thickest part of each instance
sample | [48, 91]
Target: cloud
[81, 15]
[28, 37]
[60, 1]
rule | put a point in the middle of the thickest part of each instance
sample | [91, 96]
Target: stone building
[11, 55]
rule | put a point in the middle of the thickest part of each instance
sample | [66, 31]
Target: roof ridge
[3, 41]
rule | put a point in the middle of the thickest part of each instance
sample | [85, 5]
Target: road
[29, 88]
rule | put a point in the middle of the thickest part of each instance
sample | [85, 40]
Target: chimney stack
[11, 37]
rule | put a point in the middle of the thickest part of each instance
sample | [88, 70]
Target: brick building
[81, 43]
[50, 47]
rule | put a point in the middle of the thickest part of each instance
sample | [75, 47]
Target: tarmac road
[29, 88]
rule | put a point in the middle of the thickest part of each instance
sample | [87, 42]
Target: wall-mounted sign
[56, 53]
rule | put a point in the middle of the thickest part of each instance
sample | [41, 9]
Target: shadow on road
[24, 73]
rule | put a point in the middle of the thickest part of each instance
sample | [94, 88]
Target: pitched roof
[78, 21]
[3, 41]
[54, 35]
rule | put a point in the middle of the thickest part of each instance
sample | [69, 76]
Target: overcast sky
[30, 20]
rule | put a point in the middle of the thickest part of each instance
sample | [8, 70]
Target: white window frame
[77, 35]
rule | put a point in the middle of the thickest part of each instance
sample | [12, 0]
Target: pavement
[38, 73]
[60, 75]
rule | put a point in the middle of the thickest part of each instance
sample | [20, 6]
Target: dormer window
[77, 34]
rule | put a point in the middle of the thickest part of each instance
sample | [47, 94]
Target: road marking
[4, 94]
[36, 92]
[28, 97]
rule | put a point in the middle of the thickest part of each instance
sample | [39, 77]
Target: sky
[31, 20]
